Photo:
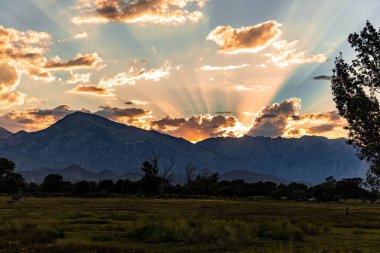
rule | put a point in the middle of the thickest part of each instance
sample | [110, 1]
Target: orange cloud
[249, 39]
[36, 119]
[79, 62]
[92, 90]
[9, 79]
[138, 11]
[33, 119]
[24, 53]
[328, 124]
[281, 119]
[198, 127]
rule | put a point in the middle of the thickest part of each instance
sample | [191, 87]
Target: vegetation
[202, 185]
[356, 89]
[57, 224]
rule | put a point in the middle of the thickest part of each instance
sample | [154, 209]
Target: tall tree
[10, 182]
[356, 88]
[150, 182]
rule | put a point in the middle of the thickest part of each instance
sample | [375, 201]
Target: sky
[193, 69]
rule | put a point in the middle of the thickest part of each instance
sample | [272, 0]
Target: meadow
[139, 225]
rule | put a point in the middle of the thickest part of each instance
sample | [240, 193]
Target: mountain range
[98, 144]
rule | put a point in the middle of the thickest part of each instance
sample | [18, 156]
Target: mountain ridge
[99, 144]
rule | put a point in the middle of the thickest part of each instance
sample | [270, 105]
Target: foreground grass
[155, 225]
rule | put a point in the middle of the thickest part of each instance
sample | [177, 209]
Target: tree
[7, 167]
[150, 182]
[53, 183]
[10, 182]
[106, 185]
[167, 176]
[356, 88]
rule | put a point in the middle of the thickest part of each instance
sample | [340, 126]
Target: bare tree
[189, 173]
[167, 175]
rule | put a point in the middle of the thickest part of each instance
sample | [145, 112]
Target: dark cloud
[326, 78]
[139, 11]
[135, 116]
[273, 120]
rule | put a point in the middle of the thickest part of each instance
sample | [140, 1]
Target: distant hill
[73, 173]
[98, 144]
[309, 158]
[250, 177]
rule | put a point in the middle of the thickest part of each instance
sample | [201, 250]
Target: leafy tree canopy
[356, 88]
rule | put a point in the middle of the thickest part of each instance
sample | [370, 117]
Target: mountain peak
[80, 119]
[4, 133]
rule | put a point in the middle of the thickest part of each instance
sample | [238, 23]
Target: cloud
[33, 119]
[139, 11]
[243, 88]
[325, 78]
[79, 78]
[136, 102]
[81, 35]
[252, 39]
[286, 54]
[321, 129]
[9, 79]
[23, 48]
[282, 119]
[272, 120]
[133, 116]
[105, 86]
[249, 39]
[92, 90]
[223, 68]
[328, 124]
[23, 53]
[36, 119]
[79, 62]
[133, 75]
[199, 127]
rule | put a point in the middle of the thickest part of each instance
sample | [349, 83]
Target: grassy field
[156, 225]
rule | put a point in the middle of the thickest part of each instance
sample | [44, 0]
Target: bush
[219, 232]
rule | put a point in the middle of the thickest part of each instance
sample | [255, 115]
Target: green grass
[114, 225]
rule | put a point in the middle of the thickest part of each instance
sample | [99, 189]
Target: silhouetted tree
[356, 88]
[326, 190]
[167, 175]
[297, 191]
[150, 182]
[53, 183]
[83, 188]
[10, 182]
[204, 184]
[350, 188]
[106, 185]
[126, 187]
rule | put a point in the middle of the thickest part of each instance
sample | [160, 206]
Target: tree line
[157, 182]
